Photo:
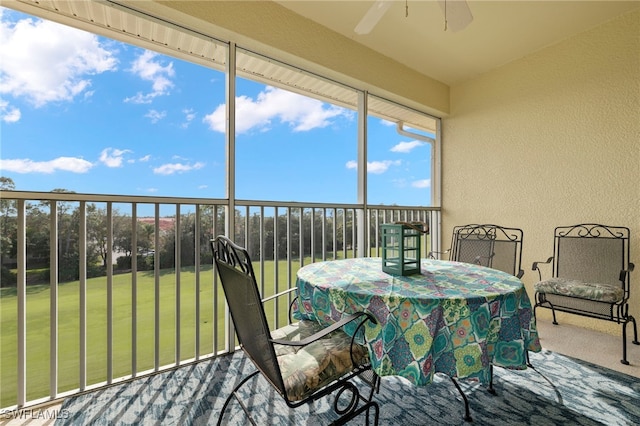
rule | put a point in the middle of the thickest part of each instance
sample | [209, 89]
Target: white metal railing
[281, 237]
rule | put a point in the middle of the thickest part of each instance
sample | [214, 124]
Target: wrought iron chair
[494, 246]
[302, 361]
[590, 276]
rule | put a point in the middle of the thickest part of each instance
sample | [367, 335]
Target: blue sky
[92, 115]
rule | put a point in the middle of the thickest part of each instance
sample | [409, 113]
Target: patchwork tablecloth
[453, 318]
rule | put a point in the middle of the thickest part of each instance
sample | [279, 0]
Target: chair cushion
[308, 368]
[575, 288]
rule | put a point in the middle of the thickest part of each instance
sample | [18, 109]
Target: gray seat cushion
[580, 289]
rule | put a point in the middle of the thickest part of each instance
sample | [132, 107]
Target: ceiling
[501, 31]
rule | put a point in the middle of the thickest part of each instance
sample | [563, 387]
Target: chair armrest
[430, 255]
[534, 267]
[625, 272]
[282, 293]
[333, 327]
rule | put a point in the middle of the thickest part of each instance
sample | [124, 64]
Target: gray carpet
[559, 391]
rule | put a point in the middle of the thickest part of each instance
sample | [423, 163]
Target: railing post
[134, 290]
[109, 268]
[197, 278]
[156, 287]
[53, 294]
[82, 259]
[178, 284]
[22, 304]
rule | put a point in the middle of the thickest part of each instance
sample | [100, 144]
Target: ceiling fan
[457, 15]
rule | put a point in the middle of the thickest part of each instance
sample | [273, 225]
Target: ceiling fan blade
[456, 13]
[373, 15]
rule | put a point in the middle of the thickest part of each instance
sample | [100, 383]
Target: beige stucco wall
[551, 139]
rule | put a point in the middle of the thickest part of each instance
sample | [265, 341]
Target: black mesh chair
[488, 245]
[589, 276]
[316, 361]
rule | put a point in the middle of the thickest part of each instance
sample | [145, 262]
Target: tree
[7, 220]
[8, 232]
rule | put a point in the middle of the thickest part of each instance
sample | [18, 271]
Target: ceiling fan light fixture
[457, 15]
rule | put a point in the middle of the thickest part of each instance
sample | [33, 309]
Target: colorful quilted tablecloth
[453, 318]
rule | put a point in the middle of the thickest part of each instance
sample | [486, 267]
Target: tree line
[247, 233]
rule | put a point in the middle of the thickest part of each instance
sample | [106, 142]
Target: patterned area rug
[558, 391]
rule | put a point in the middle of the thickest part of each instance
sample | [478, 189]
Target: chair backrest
[592, 253]
[489, 245]
[245, 304]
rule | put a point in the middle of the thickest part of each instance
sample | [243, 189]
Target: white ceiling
[501, 31]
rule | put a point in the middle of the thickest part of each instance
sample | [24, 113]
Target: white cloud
[405, 147]
[66, 164]
[47, 62]
[145, 158]
[9, 114]
[423, 183]
[375, 167]
[299, 112]
[379, 167]
[151, 70]
[169, 169]
[113, 157]
[189, 115]
[155, 116]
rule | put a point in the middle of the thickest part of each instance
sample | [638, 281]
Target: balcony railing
[100, 289]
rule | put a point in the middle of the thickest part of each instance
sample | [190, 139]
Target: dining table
[453, 318]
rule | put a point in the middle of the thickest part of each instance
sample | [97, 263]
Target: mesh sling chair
[489, 245]
[302, 361]
[590, 276]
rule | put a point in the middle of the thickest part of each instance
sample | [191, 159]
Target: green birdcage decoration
[401, 247]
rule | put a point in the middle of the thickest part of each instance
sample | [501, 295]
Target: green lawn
[38, 327]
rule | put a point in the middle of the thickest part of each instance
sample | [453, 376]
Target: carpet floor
[559, 390]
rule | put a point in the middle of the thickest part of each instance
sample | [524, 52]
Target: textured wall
[551, 139]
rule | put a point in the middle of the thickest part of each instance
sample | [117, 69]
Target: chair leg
[491, 389]
[233, 395]
[540, 301]
[635, 331]
[624, 344]
[364, 409]
[624, 338]
[526, 355]
[467, 414]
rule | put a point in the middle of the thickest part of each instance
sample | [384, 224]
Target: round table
[453, 318]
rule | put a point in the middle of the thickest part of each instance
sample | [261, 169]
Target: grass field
[38, 307]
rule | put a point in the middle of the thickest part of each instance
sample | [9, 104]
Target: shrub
[8, 278]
